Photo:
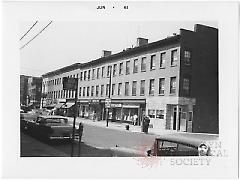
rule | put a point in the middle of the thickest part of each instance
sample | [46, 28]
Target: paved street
[96, 141]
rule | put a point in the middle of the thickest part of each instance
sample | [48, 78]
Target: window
[143, 64]
[98, 73]
[135, 66]
[174, 58]
[160, 114]
[151, 113]
[93, 74]
[187, 57]
[161, 85]
[186, 85]
[81, 76]
[84, 89]
[126, 88]
[85, 75]
[127, 67]
[173, 85]
[121, 68]
[97, 90]
[190, 116]
[102, 90]
[153, 62]
[89, 71]
[113, 89]
[107, 89]
[151, 87]
[92, 91]
[88, 89]
[142, 88]
[103, 69]
[162, 59]
[119, 89]
[108, 71]
[114, 69]
[134, 88]
[80, 89]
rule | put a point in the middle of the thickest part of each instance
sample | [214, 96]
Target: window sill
[162, 68]
[142, 94]
[152, 69]
[151, 94]
[160, 94]
[143, 70]
[173, 65]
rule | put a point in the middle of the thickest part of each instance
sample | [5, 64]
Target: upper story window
[186, 85]
[92, 91]
[119, 89]
[102, 90]
[174, 57]
[98, 73]
[153, 62]
[97, 90]
[109, 71]
[113, 89]
[85, 75]
[142, 88]
[84, 91]
[134, 88]
[151, 87]
[135, 66]
[93, 74]
[107, 89]
[89, 71]
[127, 67]
[143, 64]
[162, 60]
[80, 91]
[103, 71]
[81, 76]
[121, 68]
[187, 57]
[173, 85]
[126, 88]
[161, 85]
[114, 69]
[88, 91]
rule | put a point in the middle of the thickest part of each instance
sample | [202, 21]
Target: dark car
[52, 127]
[184, 144]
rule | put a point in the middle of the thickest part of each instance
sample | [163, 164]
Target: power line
[29, 30]
[36, 35]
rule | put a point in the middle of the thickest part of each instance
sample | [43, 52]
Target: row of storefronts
[163, 116]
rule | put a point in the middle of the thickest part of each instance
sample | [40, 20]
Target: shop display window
[160, 114]
[151, 113]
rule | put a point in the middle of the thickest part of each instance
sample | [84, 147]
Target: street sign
[69, 83]
[108, 103]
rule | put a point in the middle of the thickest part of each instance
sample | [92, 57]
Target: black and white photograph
[104, 88]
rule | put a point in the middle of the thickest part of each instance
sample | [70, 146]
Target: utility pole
[109, 92]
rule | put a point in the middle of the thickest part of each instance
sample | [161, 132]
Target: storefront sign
[93, 101]
[116, 105]
[70, 83]
[130, 106]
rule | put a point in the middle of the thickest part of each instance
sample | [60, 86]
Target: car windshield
[56, 120]
[168, 148]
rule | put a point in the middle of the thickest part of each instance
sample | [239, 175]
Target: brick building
[173, 80]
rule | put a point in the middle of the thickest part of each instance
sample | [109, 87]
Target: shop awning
[59, 105]
[67, 105]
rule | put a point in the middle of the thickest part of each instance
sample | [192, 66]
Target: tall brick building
[173, 80]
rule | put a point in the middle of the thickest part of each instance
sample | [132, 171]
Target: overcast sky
[65, 43]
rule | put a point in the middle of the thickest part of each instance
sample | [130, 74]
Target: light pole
[109, 92]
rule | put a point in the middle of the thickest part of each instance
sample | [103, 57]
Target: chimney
[106, 53]
[141, 41]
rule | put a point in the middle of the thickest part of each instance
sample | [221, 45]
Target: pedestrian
[135, 117]
[147, 122]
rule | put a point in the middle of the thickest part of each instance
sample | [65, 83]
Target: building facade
[34, 91]
[174, 81]
[23, 89]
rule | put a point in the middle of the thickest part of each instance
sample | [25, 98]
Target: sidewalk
[119, 126]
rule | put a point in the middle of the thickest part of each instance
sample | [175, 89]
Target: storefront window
[151, 113]
[160, 114]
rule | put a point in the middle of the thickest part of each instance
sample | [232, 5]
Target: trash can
[127, 127]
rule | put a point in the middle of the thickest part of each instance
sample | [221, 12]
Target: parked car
[26, 119]
[184, 144]
[52, 127]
